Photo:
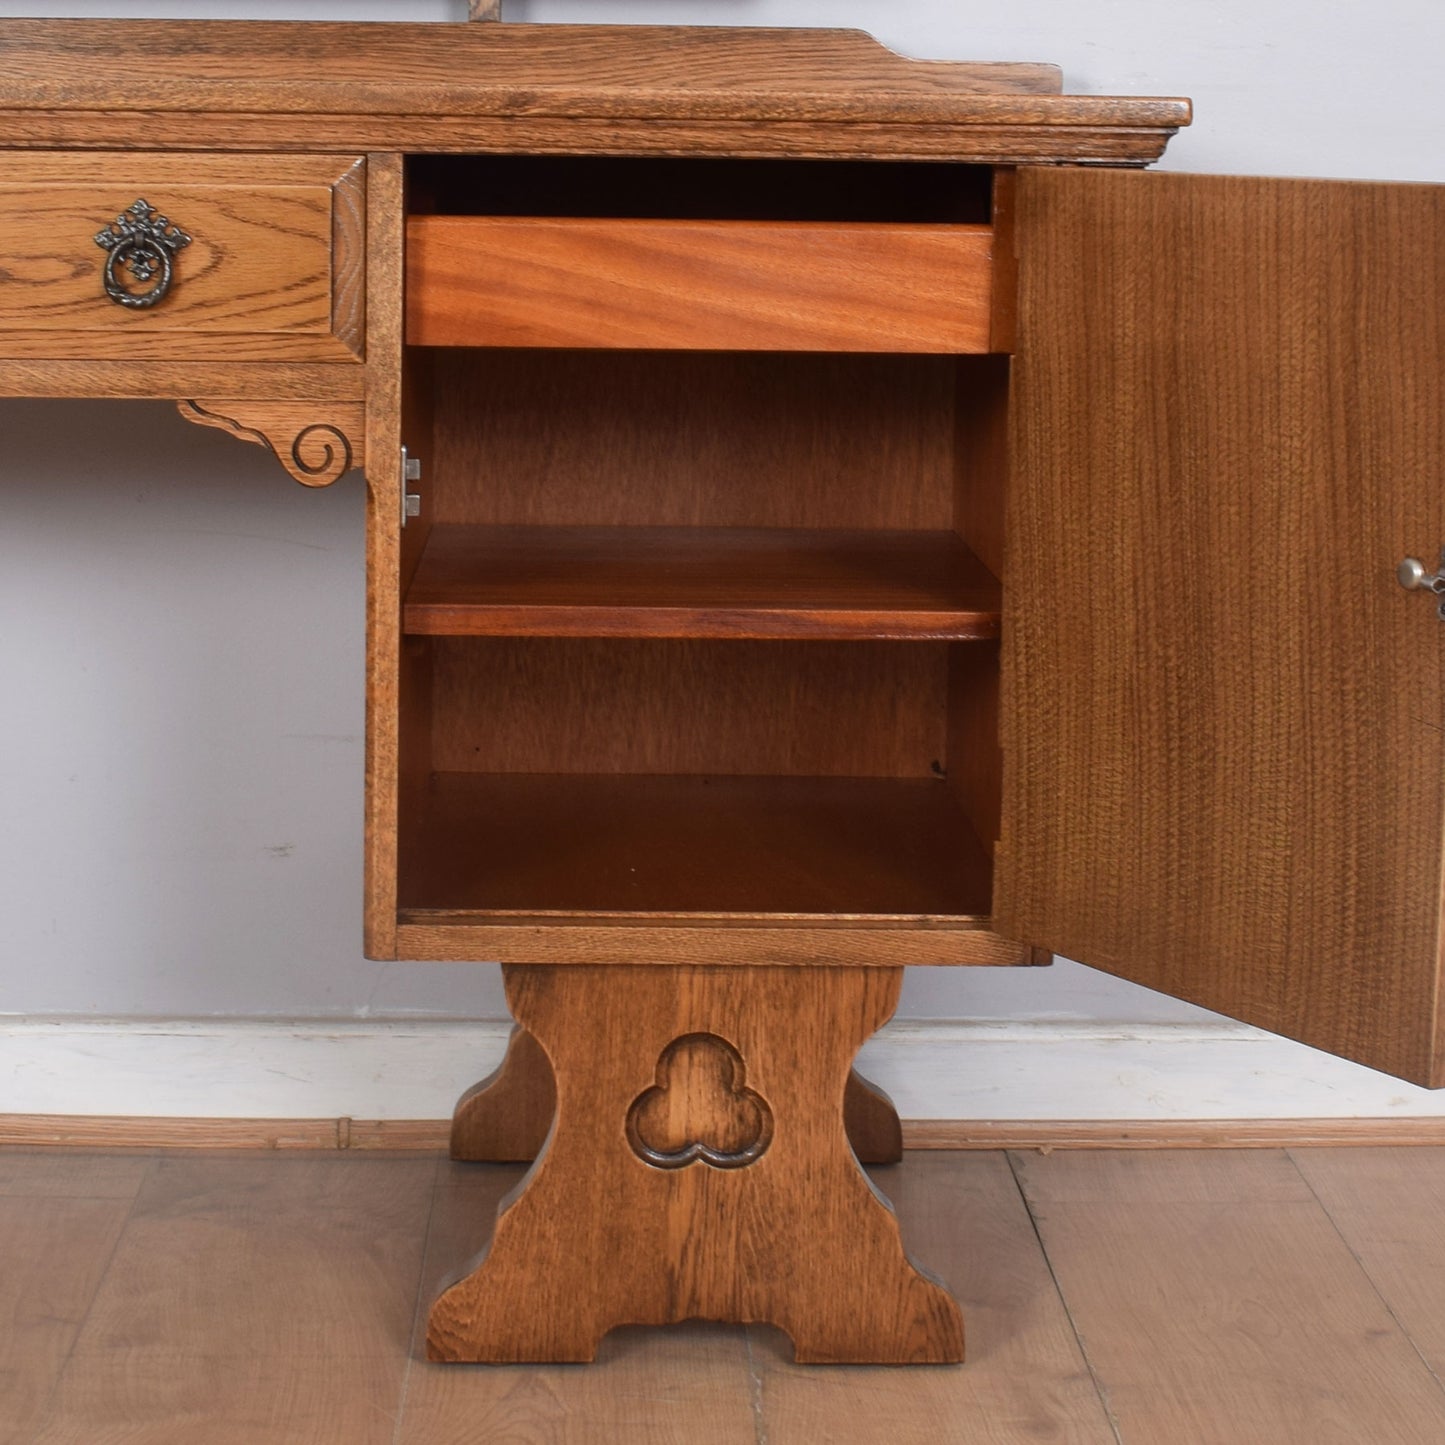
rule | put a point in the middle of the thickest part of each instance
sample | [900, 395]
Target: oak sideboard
[826, 513]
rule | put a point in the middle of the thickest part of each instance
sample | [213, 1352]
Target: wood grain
[875, 1132]
[337, 1238]
[54, 1135]
[157, 1398]
[166, 380]
[1003, 212]
[697, 285]
[700, 582]
[348, 257]
[1077, 130]
[981, 469]
[975, 763]
[1230, 790]
[192, 64]
[413, 678]
[505, 1118]
[316, 445]
[580, 705]
[543, 88]
[255, 283]
[796, 1238]
[669, 939]
[144, 1132]
[981, 457]
[1189, 1176]
[650, 1387]
[384, 231]
[1052, 1134]
[1225, 1309]
[600, 89]
[627, 845]
[529, 438]
[1388, 1207]
[55, 1253]
[69, 1175]
[253, 1306]
[1025, 1379]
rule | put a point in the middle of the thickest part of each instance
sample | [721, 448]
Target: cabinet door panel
[1224, 734]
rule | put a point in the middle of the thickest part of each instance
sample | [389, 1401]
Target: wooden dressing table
[726, 399]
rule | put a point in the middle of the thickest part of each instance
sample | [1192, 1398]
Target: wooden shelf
[700, 582]
[637, 846]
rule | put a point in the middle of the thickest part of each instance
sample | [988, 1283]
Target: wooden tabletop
[303, 84]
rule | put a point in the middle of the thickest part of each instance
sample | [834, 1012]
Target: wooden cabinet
[805, 538]
[698, 660]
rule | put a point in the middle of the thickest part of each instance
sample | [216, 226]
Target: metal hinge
[410, 472]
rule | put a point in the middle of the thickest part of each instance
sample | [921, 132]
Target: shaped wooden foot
[874, 1129]
[505, 1118]
[697, 1168]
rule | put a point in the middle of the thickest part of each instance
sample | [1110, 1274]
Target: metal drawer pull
[144, 242]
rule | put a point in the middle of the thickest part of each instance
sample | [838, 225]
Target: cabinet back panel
[699, 188]
[851, 709]
[581, 438]
[818, 848]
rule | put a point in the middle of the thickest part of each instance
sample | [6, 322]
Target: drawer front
[262, 260]
[698, 285]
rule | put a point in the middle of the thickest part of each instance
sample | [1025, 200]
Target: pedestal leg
[697, 1168]
[871, 1122]
[505, 1118]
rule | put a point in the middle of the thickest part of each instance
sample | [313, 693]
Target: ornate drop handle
[145, 242]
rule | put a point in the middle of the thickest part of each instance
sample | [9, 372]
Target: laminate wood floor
[1210, 1297]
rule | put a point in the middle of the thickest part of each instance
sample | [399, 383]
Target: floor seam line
[755, 1390]
[416, 1306]
[1099, 1391]
[84, 1320]
[1365, 1271]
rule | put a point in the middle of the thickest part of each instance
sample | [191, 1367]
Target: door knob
[1413, 577]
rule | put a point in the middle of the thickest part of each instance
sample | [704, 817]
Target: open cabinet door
[1223, 724]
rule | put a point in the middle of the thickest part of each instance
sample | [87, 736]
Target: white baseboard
[378, 1069]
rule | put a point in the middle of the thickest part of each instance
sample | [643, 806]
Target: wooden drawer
[698, 285]
[273, 269]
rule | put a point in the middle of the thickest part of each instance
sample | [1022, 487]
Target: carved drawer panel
[134, 256]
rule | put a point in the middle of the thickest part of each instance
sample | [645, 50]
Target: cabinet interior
[701, 634]
[699, 188]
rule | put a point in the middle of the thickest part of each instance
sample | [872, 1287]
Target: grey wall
[181, 626]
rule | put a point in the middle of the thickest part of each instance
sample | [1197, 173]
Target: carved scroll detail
[314, 450]
[699, 1109]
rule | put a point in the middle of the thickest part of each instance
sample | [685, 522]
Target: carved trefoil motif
[699, 1109]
